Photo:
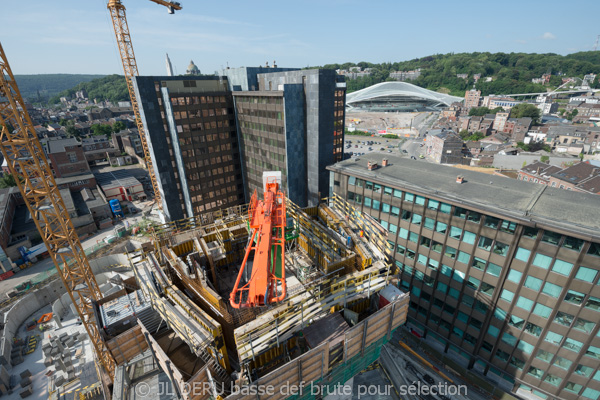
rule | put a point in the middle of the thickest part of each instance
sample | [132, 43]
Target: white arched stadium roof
[398, 89]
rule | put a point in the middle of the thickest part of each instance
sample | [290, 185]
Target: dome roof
[398, 90]
[192, 68]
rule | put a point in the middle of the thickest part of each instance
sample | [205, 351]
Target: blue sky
[76, 36]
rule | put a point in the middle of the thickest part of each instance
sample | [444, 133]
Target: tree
[524, 110]
[479, 111]
[73, 132]
[101, 129]
[8, 180]
[545, 159]
[118, 126]
[476, 136]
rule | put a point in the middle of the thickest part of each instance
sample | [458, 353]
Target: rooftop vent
[384, 163]
[460, 179]
[372, 165]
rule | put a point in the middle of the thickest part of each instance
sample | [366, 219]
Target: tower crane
[119, 20]
[267, 239]
[27, 163]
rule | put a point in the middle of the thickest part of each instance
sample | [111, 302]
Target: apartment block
[67, 158]
[190, 128]
[472, 98]
[503, 275]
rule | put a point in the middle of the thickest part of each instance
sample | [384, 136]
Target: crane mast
[267, 238]
[119, 20]
[27, 163]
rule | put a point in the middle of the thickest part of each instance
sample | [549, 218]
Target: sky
[76, 36]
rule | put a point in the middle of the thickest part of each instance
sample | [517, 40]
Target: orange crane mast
[267, 238]
[27, 162]
[119, 20]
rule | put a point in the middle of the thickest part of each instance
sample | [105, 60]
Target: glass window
[553, 338]
[574, 297]
[455, 232]
[516, 322]
[413, 237]
[395, 211]
[433, 204]
[400, 250]
[458, 332]
[542, 261]
[462, 317]
[453, 293]
[551, 289]
[573, 387]
[470, 339]
[584, 370]
[584, 325]
[384, 224]
[530, 233]
[492, 330]
[522, 254]
[507, 295]
[593, 303]
[385, 208]
[508, 227]
[552, 379]
[429, 223]
[533, 283]
[403, 234]
[573, 345]
[491, 222]
[426, 242]
[542, 310]
[460, 212]
[591, 393]
[525, 347]
[474, 217]
[514, 276]
[398, 193]
[450, 252]
[593, 352]
[420, 200]
[352, 180]
[594, 249]
[409, 197]
[499, 314]
[562, 267]
[517, 363]
[446, 270]
[533, 329]
[524, 303]
[442, 287]
[393, 228]
[538, 373]
[422, 259]
[562, 363]
[478, 263]
[509, 339]
[501, 248]
[369, 185]
[459, 276]
[368, 201]
[406, 215]
[445, 208]
[377, 188]
[376, 205]
[504, 356]
[473, 282]
[494, 269]
[487, 288]
[441, 227]
[573, 243]
[544, 355]
[469, 237]
[485, 243]
[387, 190]
[468, 300]
[551, 237]
[436, 246]
[586, 274]
[463, 257]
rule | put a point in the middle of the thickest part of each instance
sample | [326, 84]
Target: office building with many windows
[190, 128]
[503, 276]
[290, 121]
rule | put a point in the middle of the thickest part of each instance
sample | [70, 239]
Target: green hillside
[110, 87]
[39, 88]
[512, 72]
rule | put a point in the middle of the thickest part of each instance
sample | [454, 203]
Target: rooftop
[116, 178]
[58, 146]
[530, 204]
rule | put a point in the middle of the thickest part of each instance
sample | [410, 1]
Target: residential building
[444, 147]
[503, 276]
[472, 98]
[500, 120]
[67, 158]
[190, 128]
[97, 148]
[492, 102]
[293, 123]
[537, 172]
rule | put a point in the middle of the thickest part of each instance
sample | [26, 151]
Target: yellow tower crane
[117, 14]
[27, 163]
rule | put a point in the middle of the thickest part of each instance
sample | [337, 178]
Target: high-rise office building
[503, 275]
[191, 132]
[290, 121]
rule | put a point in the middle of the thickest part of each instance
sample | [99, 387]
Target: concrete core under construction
[176, 312]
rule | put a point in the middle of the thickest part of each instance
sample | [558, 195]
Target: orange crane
[27, 162]
[267, 238]
[117, 14]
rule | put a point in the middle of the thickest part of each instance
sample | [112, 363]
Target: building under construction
[176, 311]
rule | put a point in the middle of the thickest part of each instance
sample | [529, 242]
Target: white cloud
[548, 36]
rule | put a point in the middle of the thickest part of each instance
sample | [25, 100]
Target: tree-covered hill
[511, 72]
[39, 88]
[110, 87]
